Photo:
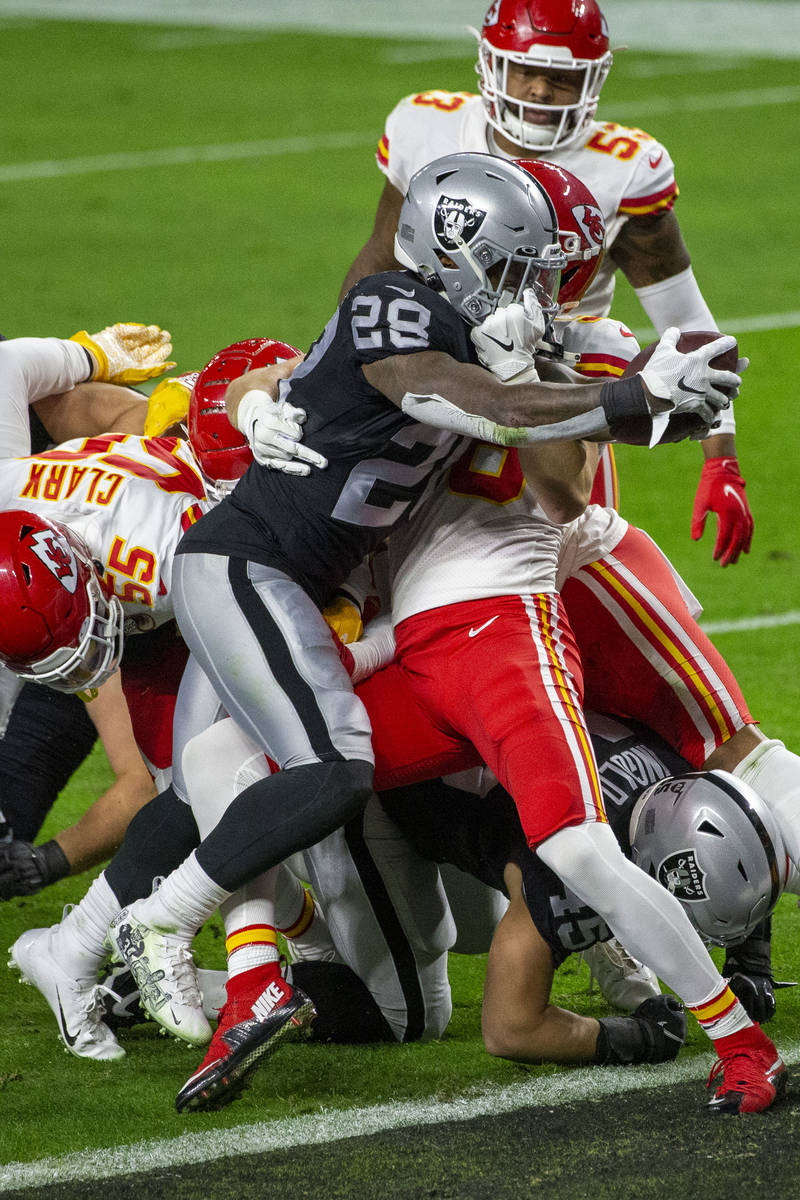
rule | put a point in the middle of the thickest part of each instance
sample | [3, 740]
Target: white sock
[185, 900]
[249, 919]
[774, 772]
[299, 918]
[79, 942]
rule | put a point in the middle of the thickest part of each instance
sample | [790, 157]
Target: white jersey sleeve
[129, 498]
[480, 534]
[428, 125]
[30, 369]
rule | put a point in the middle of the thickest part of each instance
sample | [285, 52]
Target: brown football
[687, 342]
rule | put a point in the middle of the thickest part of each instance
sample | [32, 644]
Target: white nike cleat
[623, 980]
[162, 965]
[76, 1003]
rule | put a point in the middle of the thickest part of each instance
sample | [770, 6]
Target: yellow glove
[344, 619]
[168, 404]
[127, 353]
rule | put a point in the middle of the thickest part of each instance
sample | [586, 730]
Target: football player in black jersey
[389, 390]
[388, 393]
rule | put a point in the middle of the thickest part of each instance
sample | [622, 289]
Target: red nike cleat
[262, 1012]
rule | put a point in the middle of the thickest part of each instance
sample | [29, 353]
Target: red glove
[721, 490]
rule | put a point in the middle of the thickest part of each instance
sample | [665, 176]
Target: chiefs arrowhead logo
[56, 554]
[590, 218]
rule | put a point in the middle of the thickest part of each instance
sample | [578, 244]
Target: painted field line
[347, 139]
[757, 323]
[563, 1087]
[169, 156]
[773, 621]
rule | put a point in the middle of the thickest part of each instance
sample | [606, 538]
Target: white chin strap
[540, 137]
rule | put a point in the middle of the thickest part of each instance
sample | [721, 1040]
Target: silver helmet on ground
[712, 842]
[481, 230]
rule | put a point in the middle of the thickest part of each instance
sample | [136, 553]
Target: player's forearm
[99, 832]
[556, 1035]
[437, 390]
[264, 379]
[719, 445]
[561, 477]
[90, 409]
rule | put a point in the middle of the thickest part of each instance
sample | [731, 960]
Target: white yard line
[347, 139]
[565, 1087]
[771, 621]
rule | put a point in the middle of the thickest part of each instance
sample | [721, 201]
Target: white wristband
[676, 301]
[246, 413]
[375, 649]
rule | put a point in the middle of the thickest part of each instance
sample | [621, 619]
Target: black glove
[25, 869]
[748, 969]
[653, 1034]
[756, 994]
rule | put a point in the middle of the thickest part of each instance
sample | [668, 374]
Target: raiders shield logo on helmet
[456, 221]
[680, 873]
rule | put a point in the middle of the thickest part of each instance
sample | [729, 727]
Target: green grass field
[238, 185]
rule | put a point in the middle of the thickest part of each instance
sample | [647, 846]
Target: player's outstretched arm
[26, 869]
[90, 409]
[437, 390]
[518, 1020]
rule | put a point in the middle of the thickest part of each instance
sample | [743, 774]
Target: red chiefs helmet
[561, 35]
[581, 225]
[59, 623]
[220, 449]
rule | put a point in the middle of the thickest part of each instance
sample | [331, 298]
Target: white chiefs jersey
[129, 498]
[628, 171]
[482, 532]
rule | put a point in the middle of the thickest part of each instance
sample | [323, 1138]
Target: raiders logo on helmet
[456, 221]
[681, 874]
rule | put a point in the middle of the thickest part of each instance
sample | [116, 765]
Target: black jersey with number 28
[318, 527]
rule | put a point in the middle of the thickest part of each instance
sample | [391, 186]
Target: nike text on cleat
[163, 969]
[248, 1032]
[77, 1004]
[752, 1080]
[474, 632]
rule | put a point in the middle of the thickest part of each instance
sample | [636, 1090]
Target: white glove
[273, 430]
[506, 341]
[687, 380]
[127, 352]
